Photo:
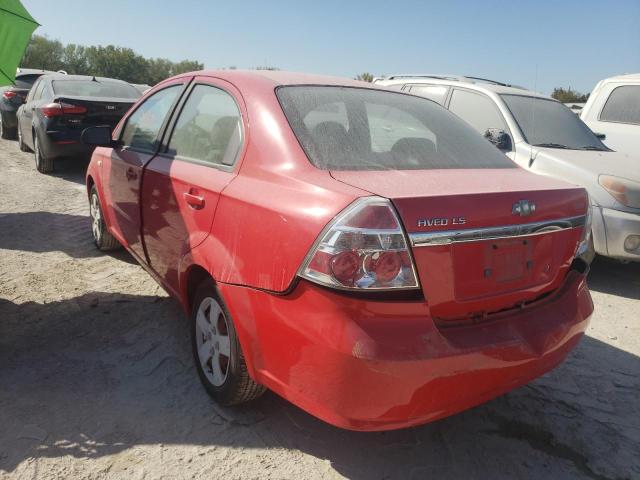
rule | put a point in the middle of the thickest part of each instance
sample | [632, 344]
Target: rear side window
[477, 110]
[95, 88]
[383, 131]
[623, 105]
[209, 128]
[26, 81]
[38, 91]
[437, 93]
[142, 127]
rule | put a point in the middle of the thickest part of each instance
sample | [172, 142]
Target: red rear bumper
[372, 365]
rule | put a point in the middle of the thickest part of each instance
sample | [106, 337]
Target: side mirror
[601, 136]
[499, 138]
[97, 136]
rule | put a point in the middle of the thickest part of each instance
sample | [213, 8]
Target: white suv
[544, 136]
[613, 109]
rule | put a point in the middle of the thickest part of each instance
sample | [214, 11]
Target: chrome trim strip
[426, 239]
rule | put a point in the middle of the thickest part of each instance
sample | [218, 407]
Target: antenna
[533, 116]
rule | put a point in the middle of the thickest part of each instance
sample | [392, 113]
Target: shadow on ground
[72, 169]
[616, 278]
[101, 373]
[41, 232]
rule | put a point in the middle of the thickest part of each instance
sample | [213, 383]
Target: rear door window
[437, 93]
[142, 127]
[38, 92]
[623, 105]
[347, 128]
[209, 128]
[477, 110]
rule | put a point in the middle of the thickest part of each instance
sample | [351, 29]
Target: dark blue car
[59, 107]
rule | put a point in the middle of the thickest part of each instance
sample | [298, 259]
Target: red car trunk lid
[483, 240]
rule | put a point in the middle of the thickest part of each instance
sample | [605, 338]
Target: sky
[536, 44]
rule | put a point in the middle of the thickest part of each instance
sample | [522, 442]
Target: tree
[43, 53]
[109, 61]
[365, 77]
[569, 95]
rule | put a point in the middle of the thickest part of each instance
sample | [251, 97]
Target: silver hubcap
[36, 150]
[96, 217]
[212, 341]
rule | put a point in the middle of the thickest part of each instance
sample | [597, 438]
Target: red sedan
[361, 252]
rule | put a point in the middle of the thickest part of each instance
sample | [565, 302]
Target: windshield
[547, 123]
[344, 128]
[95, 88]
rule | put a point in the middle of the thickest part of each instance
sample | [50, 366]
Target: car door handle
[193, 199]
[131, 174]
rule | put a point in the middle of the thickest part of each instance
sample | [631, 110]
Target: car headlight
[625, 191]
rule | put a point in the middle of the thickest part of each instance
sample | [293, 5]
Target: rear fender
[243, 320]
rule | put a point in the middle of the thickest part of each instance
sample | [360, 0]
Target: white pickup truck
[613, 110]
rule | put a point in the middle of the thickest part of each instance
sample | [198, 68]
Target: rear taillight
[9, 94]
[363, 248]
[60, 109]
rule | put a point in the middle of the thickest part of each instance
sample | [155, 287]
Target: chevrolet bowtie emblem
[524, 208]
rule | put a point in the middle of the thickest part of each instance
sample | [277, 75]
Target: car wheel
[21, 145]
[217, 352]
[43, 164]
[101, 235]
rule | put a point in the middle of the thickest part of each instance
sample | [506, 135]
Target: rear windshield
[345, 128]
[97, 88]
[26, 81]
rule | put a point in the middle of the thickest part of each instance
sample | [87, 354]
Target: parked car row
[542, 135]
[48, 111]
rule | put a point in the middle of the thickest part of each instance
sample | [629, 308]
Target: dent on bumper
[366, 365]
[611, 230]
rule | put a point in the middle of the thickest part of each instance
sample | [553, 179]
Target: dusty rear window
[95, 88]
[344, 128]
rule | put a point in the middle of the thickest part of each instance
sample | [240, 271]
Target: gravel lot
[96, 379]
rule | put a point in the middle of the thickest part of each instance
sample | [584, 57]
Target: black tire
[101, 235]
[237, 386]
[6, 133]
[21, 144]
[43, 164]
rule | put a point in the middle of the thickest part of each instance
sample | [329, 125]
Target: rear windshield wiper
[551, 145]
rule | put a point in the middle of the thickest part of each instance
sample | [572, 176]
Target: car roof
[627, 77]
[63, 76]
[32, 71]
[279, 77]
[471, 83]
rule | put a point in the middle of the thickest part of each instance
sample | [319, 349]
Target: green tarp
[16, 27]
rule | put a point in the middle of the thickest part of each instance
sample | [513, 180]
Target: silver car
[544, 136]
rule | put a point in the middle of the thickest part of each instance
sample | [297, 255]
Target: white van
[613, 110]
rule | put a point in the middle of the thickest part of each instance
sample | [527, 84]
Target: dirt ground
[96, 379]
